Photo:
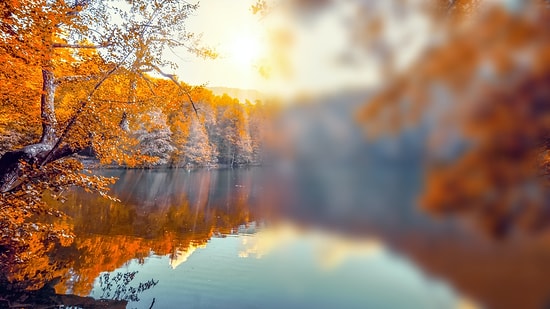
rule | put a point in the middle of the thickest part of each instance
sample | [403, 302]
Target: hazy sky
[228, 24]
[225, 25]
[324, 54]
[322, 57]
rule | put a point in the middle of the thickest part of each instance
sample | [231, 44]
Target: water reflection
[223, 238]
[160, 213]
[282, 266]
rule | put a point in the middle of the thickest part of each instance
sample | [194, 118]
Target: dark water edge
[46, 297]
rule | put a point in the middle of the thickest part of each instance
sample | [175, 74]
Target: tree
[155, 141]
[63, 62]
[258, 123]
[232, 134]
[53, 36]
[198, 150]
[490, 79]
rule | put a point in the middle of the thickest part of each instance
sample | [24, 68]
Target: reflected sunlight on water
[283, 266]
[329, 250]
[226, 238]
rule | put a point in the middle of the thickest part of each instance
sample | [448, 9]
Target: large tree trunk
[11, 168]
[47, 107]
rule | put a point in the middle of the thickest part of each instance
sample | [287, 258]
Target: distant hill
[241, 94]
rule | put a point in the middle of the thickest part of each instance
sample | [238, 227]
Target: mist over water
[334, 221]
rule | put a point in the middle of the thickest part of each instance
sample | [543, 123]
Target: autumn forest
[80, 86]
[274, 154]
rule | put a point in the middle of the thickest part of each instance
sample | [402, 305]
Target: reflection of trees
[510, 274]
[109, 234]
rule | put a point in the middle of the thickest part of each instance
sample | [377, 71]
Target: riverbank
[94, 164]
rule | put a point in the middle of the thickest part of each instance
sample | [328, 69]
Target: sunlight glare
[245, 50]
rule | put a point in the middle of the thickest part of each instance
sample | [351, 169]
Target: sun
[245, 50]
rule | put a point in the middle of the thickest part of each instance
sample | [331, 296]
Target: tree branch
[81, 108]
[172, 77]
[75, 78]
[63, 152]
[148, 82]
[63, 45]
[126, 102]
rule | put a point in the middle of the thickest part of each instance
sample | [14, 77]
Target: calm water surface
[268, 238]
[227, 247]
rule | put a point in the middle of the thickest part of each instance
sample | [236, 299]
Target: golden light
[246, 50]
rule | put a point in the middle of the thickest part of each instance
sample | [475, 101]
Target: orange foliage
[101, 235]
[494, 71]
[67, 87]
[110, 234]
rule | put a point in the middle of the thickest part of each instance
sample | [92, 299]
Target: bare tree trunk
[47, 107]
[125, 122]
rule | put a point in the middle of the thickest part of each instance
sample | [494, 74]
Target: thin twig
[150, 307]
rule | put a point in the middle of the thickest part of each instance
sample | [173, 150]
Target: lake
[333, 222]
[237, 238]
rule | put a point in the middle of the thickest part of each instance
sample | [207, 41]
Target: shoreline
[93, 164]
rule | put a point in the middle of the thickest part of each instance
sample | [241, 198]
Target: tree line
[160, 131]
[223, 131]
[76, 79]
